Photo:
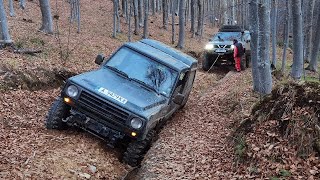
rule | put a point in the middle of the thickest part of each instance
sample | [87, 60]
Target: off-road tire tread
[137, 149]
[57, 112]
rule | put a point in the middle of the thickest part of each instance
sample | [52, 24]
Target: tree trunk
[297, 65]
[286, 37]
[264, 39]
[5, 36]
[173, 27]
[224, 12]
[11, 9]
[136, 20]
[308, 29]
[313, 65]
[181, 24]
[193, 5]
[46, 26]
[115, 9]
[233, 12]
[165, 14]
[129, 20]
[140, 12]
[78, 15]
[146, 11]
[254, 29]
[274, 32]
[200, 16]
[22, 4]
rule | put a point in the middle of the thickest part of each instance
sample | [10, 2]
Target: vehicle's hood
[119, 90]
[222, 42]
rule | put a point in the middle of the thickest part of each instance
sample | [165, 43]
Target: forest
[260, 123]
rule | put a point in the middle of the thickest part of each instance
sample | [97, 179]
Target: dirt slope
[196, 143]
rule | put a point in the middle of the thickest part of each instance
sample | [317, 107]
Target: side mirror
[99, 59]
[178, 99]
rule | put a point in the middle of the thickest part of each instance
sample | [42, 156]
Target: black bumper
[94, 127]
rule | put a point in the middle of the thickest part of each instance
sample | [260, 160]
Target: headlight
[136, 123]
[209, 46]
[232, 46]
[72, 91]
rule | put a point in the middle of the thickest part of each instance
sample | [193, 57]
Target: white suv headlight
[232, 46]
[136, 123]
[209, 46]
[72, 91]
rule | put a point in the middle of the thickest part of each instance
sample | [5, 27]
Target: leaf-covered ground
[197, 143]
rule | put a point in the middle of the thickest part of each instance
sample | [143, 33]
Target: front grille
[102, 109]
[222, 46]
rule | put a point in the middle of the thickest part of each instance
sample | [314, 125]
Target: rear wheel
[137, 149]
[58, 111]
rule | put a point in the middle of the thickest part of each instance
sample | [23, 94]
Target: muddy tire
[137, 149]
[208, 61]
[58, 111]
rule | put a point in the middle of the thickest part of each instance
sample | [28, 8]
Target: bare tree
[140, 12]
[115, 12]
[46, 26]
[193, 16]
[286, 36]
[297, 65]
[224, 12]
[181, 24]
[22, 4]
[5, 36]
[146, 15]
[165, 14]
[129, 20]
[173, 37]
[200, 16]
[11, 9]
[308, 29]
[274, 32]
[264, 39]
[136, 20]
[254, 30]
[313, 65]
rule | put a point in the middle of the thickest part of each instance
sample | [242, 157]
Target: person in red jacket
[236, 55]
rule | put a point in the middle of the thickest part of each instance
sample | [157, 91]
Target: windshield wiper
[118, 71]
[145, 84]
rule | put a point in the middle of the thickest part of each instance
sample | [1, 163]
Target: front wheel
[58, 111]
[137, 149]
[208, 61]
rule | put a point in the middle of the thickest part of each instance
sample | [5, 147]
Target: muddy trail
[196, 143]
[29, 150]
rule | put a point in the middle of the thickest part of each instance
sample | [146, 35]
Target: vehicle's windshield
[227, 36]
[143, 70]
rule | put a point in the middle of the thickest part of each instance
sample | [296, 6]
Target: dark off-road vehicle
[132, 93]
[220, 48]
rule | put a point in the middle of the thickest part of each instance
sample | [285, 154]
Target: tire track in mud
[195, 142]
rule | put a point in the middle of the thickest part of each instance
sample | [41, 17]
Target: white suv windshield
[144, 70]
[227, 36]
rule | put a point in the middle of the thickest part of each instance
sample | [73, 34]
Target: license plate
[221, 50]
